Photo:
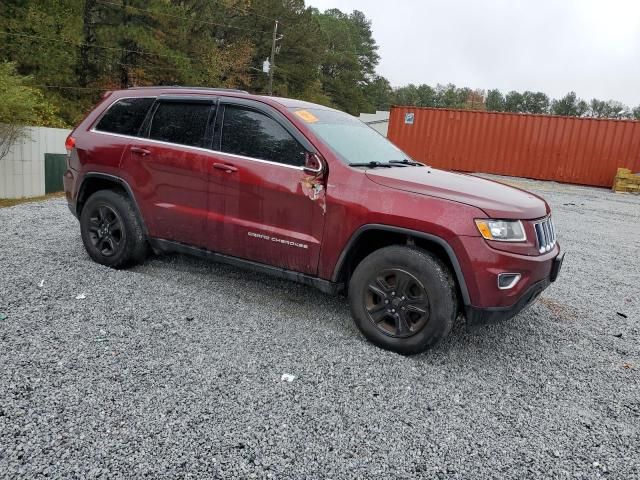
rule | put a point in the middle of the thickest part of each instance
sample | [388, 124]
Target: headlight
[502, 230]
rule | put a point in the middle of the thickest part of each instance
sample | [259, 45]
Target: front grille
[545, 234]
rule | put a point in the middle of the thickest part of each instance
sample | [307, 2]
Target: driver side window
[252, 134]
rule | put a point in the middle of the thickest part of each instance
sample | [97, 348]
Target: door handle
[140, 151]
[226, 167]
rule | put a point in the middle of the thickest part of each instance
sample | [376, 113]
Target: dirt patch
[559, 310]
[11, 202]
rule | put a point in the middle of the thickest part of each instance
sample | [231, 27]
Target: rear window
[182, 123]
[125, 117]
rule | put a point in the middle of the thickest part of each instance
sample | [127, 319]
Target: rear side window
[183, 123]
[125, 116]
[253, 134]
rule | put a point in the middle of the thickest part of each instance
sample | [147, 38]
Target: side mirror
[313, 164]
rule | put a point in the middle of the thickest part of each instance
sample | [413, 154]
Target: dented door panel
[266, 212]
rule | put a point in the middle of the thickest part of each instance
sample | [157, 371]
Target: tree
[407, 95]
[349, 61]
[449, 96]
[636, 113]
[609, 109]
[475, 100]
[378, 93]
[535, 102]
[569, 105]
[514, 102]
[427, 96]
[495, 101]
[21, 106]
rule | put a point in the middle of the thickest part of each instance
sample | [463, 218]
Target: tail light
[70, 143]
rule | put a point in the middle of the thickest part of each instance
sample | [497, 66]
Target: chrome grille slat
[545, 235]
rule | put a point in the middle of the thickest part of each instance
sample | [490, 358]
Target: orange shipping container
[583, 151]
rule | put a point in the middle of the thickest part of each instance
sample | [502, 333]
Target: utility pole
[273, 56]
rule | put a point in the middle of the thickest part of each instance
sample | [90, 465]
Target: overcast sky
[554, 46]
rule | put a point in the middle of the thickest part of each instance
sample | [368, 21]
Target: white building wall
[22, 170]
[379, 121]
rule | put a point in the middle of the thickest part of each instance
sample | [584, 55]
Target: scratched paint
[313, 188]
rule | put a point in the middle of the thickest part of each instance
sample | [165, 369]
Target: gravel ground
[173, 369]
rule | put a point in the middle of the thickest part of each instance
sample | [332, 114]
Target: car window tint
[252, 134]
[183, 123]
[125, 116]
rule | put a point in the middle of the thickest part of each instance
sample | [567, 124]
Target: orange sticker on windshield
[306, 116]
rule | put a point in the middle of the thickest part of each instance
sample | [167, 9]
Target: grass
[10, 202]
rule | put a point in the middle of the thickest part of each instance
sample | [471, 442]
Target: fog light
[508, 280]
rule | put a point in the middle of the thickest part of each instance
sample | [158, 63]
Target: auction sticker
[306, 116]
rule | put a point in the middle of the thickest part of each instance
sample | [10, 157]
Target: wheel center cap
[396, 302]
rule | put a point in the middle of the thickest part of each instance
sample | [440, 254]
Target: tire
[111, 230]
[403, 299]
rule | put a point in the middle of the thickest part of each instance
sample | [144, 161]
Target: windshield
[350, 139]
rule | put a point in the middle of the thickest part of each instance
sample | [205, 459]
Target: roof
[286, 102]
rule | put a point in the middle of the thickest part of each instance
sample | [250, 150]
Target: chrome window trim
[199, 149]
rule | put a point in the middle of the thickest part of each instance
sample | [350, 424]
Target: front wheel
[403, 299]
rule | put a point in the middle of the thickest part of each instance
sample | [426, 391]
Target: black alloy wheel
[105, 230]
[397, 303]
[111, 230]
[403, 298]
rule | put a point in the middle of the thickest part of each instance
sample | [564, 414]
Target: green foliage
[535, 102]
[21, 105]
[348, 64]
[610, 109]
[71, 51]
[636, 113]
[569, 105]
[513, 102]
[495, 101]
[378, 91]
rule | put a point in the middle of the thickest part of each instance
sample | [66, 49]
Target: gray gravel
[173, 369]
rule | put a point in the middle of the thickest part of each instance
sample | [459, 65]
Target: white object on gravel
[81, 296]
[287, 377]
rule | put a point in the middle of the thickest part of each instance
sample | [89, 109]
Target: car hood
[495, 199]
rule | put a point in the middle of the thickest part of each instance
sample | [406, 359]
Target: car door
[263, 206]
[170, 166]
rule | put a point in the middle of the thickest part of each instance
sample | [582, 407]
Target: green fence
[55, 165]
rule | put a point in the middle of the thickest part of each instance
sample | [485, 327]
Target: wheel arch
[95, 181]
[371, 237]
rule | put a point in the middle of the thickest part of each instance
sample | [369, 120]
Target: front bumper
[477, 315]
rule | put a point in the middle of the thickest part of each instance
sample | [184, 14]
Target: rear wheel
[403, 299]
[111, 231]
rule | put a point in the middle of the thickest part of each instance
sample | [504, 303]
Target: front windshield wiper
[370, 164]
[406, 162]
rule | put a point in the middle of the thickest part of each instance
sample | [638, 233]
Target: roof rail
[236, 90]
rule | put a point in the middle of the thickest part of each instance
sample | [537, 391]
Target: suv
[309, 194]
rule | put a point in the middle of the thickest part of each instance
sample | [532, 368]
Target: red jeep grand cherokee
[309, 194]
